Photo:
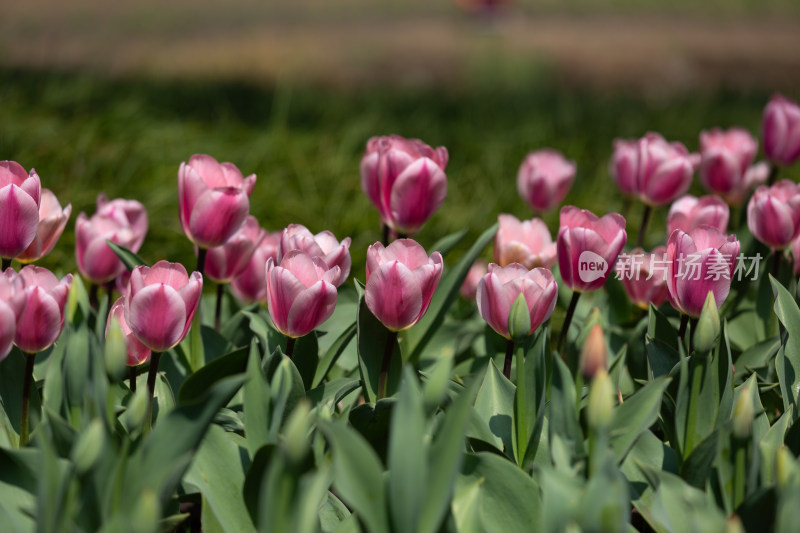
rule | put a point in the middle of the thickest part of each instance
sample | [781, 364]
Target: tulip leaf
[769, 444]
[256, 394]
[787, 363]
[332, 355]
[494, 406]
[373, 340]
[698, 466]
[758, 355]
[659, 327]
[128, 258]
[564, 408]
[448, 242]
[661, 356]
[635, 415]
[198, 383]
[306, 357]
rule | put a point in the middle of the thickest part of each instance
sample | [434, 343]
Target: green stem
[682, 329]
[520, 400]
[739, 471]
[290, 341]
[573, 303]
[6, 263]
[509, 356]
[385, 233]
[391, 341]
[132, 378]
[643, 227]
[93, 292]
[773, 174]
[152, 373]
[696, 375]
[218, 308]
[201, 260]
[693, 323]
[30, 359]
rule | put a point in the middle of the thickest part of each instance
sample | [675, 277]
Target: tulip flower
[725, 166]
[138, 353]
[250, 285]
[476, 272]
[12, 305]
[527, 243]
[225, 262]
[405, 180]
[20, 195]
[129, 212]
[594, 354]
[43, 319]
[323, 245]
[700, 261]
[213, 200]
[160, 303]
[544, 179]
[781, 130]
[52, 221]
[689, 212]
[301, 293]
[644, 276]
[499, 288]
[773, 214]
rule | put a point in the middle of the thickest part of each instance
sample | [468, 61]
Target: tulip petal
[217, 215]
[394, 296]
[157, 316]
[19, 220]
[494, 304]
[418, 192]
[312, 307]
[40, 323]
[283, 288]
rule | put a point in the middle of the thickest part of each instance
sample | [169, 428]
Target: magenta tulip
[689, 212]
[323, 245]
[476, 272]
[401, 280]
[544, 179]
[773, 214]
[52, 221]
[405, 180]
[527, 242]
[225, 262]
[499, 288]
[213, 200]
[137, 352]
[726, 159]
[652, 169]
[43, 319]
[160, 303]
[781, 130]
[301, 293]
[20, 195]
[251, 283]
[588, 247]
[698, 262]
[12, 305]
[644, 276]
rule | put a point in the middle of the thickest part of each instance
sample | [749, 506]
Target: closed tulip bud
[743, 414]
[780, 129]
[708, 328]
[43, 319]
[323, 245]
[544, 179]
[785, 466]
[588, 247]
[20, 195]
[734, 524]
[699, 262]
[160, 303]
[301, 293]
[401, 280]
[498, 290]
[527, 243]
[594, 354]
[725, 168]
[773, 214]
[689, 212]
[137, 353]
[469, 288]
[52, 221]
[251, 283]
[600, 403]
[225, 262]
[12, 305]
[405, 180]
[213, 200]
[643, 276]
[89, 446]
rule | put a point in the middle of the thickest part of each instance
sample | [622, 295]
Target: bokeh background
[110, 97]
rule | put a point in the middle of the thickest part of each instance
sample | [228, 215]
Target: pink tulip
[689, 212]
[528, 243]
[773, 214]
[544, 179]
[726, 159]
[12, 305]
[213, 200]
[588, 246]
[644, 276]
[781, 130]
[160, 303]
[499, 288]
[121, 221]
[405, 180]
[43, 318]
[652, 169]
[225, 262]
[20, 194]
[138, 353]
[323, 245]
[401, 280]
[52, 221]
[698, 262]
[301, 293]
[476, 272]
[251, 283]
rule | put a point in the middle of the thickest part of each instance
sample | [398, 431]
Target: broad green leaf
[373, 338]
[696, 469]
[495, 408]
[306, 358]
[448, 242]
[788, 361]
[757, 356]
[635, 415]
[128, 258]
[332, 513]
[256, 402]
[661, 356]
[332, 355]
[564, 408]
[769, 444]
[203, 379]
[660, 328]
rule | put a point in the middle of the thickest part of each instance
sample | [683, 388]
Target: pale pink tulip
[251, 283]
[689, 212]
[544, 179]
[470, 286]
[129, 212]
[20, 195]
[401, 280]
[405, 180]
[301, 293]
[773, 214]
[138, 353]
[52, 221]
[43, 319]
[323, 245]
[499, 288]
[527, 242]
[781, 130]
[160, 303]
[213, 200]
[225, 262]
[644, 276]
[725, 166]
[12, 305]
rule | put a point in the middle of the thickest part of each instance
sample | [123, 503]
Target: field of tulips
[631, 371]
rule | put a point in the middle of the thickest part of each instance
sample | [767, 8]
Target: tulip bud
[137, 409]
[295, 434]
[89, 446]
[734, 524]
[43, 319]
[133, 351]
[743, 414]
[145, 513]
[707, 333]
[594, 354]
[519, 319]
[781, 130]
[785, 465]
[773, 214]
[725, 168]
[114, 351]
[600, 406]
[544, 178]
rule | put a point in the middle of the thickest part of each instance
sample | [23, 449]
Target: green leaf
[332, 355]
[372, 340]
[758, 355]
[696, 469]
[660, 328]
[564, 408]
[519, 319]
[220, 368]
[256, 403]
[495, 408]
[768, 447]
[128, 258]
[529, 399]
[788, 361]
[332, 514]
[448, 242]
[635, 415]
[661, 356]
[306, 358]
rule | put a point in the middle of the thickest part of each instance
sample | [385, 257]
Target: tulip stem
[155, 357]
[643, 227]
[218, 308]
[201, 260]
[573, 303]
[30, 358]
[509, 356]
[773, 174]
[693, 323]
[776, 264]
[391, 340]
[682, 328]
[385, 240]
[93, 292]
[132, 378]
[6, 263]
[290, 346]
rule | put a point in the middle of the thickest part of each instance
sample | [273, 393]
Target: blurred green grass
[126, 137]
